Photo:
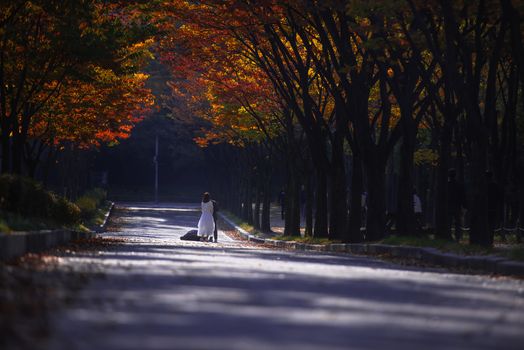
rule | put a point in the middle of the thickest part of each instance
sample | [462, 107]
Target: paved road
[158, 292]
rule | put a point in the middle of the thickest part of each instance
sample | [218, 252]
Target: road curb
[487, 264]
[16, 244]
[103, 226]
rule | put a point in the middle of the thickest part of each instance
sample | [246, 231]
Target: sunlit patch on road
[163, 293]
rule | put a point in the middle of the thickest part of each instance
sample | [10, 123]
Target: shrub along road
[158, 292]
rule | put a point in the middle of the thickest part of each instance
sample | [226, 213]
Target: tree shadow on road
[196, 297]
[162, 293]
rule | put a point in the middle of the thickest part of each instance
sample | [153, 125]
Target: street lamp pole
[155, 160]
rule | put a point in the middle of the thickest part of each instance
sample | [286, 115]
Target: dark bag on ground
[191, 236]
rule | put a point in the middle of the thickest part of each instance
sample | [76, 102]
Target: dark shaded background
[129, 166]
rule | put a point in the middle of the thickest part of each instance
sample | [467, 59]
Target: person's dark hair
[206, 197]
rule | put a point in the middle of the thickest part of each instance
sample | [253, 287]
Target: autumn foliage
[343, 97]
[71, 75]
[91, 113]
[215, 78]
[321, 82]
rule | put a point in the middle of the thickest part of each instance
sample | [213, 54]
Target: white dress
[206, 224]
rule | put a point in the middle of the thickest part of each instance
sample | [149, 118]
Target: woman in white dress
[206, 224]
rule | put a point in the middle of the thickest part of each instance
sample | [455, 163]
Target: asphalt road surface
[158, 292]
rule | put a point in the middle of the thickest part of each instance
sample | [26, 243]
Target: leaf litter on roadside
[36, 285]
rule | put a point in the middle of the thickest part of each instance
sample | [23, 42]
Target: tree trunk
[292, 206]
[375, 169]
[338, 193]
[256, 212]
[309, 206]
[236, 190]
[520, 186]
[243, 206]
[442, 221]
[249, 201]
[321, 225]
[480, 232]
[376, 214]
[17, 153]
[6, 149]
[265, 224]
[20, 131]
[405, 213]
[355, 213]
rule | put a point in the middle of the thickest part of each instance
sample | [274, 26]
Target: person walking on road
[206, 224]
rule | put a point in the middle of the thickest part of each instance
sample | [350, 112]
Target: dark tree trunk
[287, 208]
[292, 206]
[309, 206]
[256, 212]
[249, 201]
[20, 136]
[17, 154]
[244, 214]
[355, 213]
[33, 154]
[292, 201]
[376, 214]
[51, 157]
[405, 213]
[265, 223]
[6, 149]
[520, 186]
[236, 191]
[321, 223]
[442, 221]
[338, 192]
[480, 233]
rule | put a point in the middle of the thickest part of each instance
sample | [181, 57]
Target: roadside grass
[507, 247]
[511, 251]
[98, 217]
[4, 227]
[516, 253]
[240, 223]
[440, 244]
[16, 222]
[12, 222]
[81, 228]
[307, 240]
[249, 228]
